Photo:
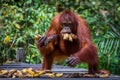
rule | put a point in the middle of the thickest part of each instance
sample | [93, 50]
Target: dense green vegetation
[20, 20]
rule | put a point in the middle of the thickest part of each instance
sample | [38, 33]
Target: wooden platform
[55, 68]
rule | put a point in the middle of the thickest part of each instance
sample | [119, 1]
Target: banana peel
[32, 73]
[37, 37]
[69, 37]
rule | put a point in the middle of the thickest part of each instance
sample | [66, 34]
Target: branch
[13, 41]
[112, 27]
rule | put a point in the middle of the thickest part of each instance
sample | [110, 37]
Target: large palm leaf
[109, 49]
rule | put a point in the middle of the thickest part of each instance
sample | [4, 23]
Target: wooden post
[20, 55]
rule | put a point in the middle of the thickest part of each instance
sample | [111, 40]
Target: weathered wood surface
[55, 68]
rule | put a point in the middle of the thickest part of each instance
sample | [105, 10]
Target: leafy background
[20, 20]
